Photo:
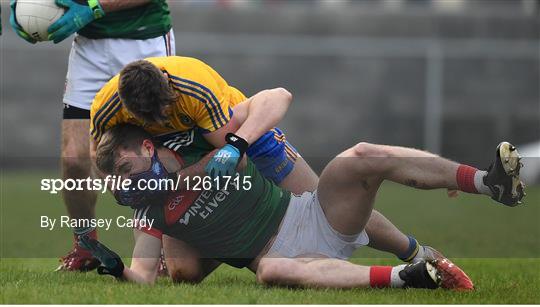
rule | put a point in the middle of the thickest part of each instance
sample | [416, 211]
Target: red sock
[465, 178]
[379, 276]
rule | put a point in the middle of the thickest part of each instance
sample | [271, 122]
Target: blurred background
[451, 76]
[455, 77]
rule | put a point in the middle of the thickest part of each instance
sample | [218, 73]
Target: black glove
[111, 264]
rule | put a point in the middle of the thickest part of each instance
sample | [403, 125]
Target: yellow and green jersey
[141, 22]
[205, 100]
[232, 224]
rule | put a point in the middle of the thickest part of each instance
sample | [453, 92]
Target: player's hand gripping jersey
[204, 103]
[232, 224]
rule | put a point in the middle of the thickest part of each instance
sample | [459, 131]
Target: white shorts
[92, 62]
[306, 231]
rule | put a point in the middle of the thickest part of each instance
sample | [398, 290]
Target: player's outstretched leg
[349, 183]
[335, 273]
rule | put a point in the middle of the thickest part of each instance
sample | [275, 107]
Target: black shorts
[71, 112]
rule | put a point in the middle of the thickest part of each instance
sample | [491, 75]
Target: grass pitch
[498, 247]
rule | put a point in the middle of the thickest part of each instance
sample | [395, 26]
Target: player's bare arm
[259, 114]
[144, 264]
[252, 118]
[255, 116]
[145, 259]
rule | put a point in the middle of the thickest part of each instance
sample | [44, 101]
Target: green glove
[77, 16]
[15, 25]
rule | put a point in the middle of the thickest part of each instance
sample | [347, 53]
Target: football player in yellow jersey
[167, 95]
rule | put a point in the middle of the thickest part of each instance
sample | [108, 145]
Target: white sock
[421, 254]
[479, 183]
[395, 280]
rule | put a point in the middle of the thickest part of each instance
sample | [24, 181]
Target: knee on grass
[185, 276]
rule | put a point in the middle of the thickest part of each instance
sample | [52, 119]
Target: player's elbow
[284, 95]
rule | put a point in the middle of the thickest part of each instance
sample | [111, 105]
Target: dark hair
[123, 136]
[144, 90]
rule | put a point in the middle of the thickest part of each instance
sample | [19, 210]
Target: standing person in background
[108, 35]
